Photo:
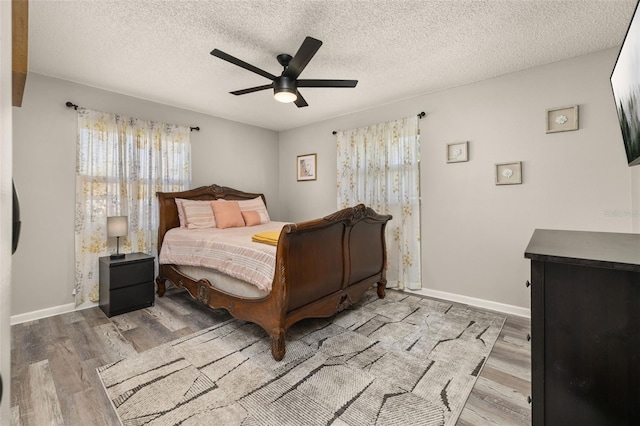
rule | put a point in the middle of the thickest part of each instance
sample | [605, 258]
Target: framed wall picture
[307, 167]
[509, 173]
[457, 152]
[562, 119]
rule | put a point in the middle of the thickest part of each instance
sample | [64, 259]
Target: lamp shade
[117, 226]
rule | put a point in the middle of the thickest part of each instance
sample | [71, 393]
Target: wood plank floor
[53, 362]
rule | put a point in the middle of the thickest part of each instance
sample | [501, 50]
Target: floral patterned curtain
[379, 167]
[121, 163]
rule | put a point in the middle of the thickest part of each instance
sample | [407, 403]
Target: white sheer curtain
[379, 167]
[121, 163]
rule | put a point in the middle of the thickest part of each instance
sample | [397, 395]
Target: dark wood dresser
[126, 284]
[585, 328]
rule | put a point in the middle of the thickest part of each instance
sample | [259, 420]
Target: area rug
[402, 360]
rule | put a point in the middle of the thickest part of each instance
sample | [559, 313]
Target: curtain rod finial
[422, 114]
[197, 129]
[71, 105]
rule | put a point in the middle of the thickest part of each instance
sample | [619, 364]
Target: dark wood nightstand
[126, 284]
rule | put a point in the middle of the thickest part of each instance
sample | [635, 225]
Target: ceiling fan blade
[300, 102]
[252, 89]
[225, 56]
[327, 83]
[308, 48]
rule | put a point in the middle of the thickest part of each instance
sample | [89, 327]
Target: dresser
[126, 284]
[585, 328]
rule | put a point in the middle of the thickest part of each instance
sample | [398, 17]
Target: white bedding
[229, 251]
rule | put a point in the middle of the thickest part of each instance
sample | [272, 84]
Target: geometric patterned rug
[402, 360]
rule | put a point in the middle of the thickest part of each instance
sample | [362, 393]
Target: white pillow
[181, 218]
[198, 214]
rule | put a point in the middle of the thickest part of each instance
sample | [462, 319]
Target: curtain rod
[422, 114]
[74, 106]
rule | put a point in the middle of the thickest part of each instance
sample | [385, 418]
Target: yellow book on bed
[269, 237]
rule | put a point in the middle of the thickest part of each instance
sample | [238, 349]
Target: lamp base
[117, 256]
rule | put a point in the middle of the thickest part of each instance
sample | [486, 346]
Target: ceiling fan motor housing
[285, 84]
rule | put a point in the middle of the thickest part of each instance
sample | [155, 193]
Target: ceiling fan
[285, 87]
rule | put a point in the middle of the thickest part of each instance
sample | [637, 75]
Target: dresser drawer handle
[527, 284]
[529, 399]
[528, 337]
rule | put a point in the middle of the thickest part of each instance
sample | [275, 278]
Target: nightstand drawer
[130, 274]
[130, 298]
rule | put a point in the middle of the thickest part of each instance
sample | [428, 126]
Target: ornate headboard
[169, 211]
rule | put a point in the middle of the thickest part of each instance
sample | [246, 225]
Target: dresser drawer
[130, 298]
[130, 274]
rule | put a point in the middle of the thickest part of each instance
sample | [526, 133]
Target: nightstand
[126, 284]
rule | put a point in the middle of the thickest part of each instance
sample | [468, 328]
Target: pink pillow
[251, 218]
[256, 205]
[227, 214]
[198, 214]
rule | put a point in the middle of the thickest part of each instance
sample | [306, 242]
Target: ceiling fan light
[285, 96]
[285, 89]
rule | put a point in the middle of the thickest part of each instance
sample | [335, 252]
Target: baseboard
[48, 312]
[481, 303]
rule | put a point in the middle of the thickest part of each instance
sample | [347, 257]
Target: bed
[321, 266]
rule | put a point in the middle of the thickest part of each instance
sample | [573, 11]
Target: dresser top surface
[600, 249]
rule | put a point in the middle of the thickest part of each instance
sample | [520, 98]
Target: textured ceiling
[159, 50]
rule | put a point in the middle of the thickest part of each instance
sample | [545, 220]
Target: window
[121, 163]
[379, 167]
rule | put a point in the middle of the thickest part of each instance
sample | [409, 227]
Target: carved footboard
[329, 263]
[322, 267]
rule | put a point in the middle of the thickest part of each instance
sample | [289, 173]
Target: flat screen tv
[625, 82]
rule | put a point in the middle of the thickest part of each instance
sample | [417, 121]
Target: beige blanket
[229, 251]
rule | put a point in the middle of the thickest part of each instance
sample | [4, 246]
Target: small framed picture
[457, 152]
[306, 166]
[562, 119]
[509, 173]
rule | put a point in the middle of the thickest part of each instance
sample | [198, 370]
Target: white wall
[5, 209]
[223, 152]
[474, 233]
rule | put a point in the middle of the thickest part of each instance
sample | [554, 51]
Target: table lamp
[117, 226]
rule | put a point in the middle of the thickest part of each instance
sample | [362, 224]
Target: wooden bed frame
[322, 266]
